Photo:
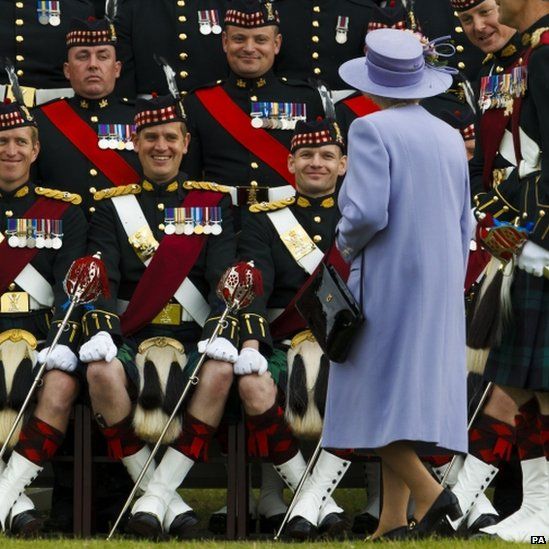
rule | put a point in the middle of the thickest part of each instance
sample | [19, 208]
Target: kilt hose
[522, 358]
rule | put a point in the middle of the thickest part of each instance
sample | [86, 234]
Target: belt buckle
[252, 195]
[170, 315]
[144, 243]
[14, 302]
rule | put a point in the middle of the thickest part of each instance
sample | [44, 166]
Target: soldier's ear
[342, 165]
[35, 150]
[278, 43]
[66, 71]
[224, 40]
[135, 141]
[291, 164]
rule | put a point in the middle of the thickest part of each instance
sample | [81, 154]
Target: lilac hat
[395, 67]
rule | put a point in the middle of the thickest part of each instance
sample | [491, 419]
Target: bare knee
[501, 406]
[216, 378]
[58, 392]
[257, 392]
[106, 376]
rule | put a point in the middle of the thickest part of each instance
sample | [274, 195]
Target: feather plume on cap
[169, 73]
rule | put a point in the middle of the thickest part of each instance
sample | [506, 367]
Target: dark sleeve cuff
[255, 326]
[230, 331]
[100, 321]
[70, 336]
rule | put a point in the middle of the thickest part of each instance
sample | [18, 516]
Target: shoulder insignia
[205, 186]
[488, 58]
[56, 194]
[272, 206]
[111, 192]
[538, 38]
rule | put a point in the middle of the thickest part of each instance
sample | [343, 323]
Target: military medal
[57, 241]
[197, 218]
[207, 226]
[214, 18]
[43, 17]
[499, 91]
[205, 27]
[179, 215]
[169, 220]
[47, 232]
[11, 231]
[31, 234]
[342, 29]
[216, 219]
[189, 222]
[55, 14]
[21, 233]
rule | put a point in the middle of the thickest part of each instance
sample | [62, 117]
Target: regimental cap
[157, 110]
[13, 115]
[388, 17]
[452, 110]
[91, 32]
[251, 14]
[317, 134]
[464, 5]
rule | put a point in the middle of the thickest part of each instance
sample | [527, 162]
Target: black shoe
[27, 524]
[300, 528]
[333, 525]
[183, 525]
[364, 524]
[270, 525]
[482, 522]
[402, 532]
[145, 525]
[446, 504]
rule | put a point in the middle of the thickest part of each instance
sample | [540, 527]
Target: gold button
[183, 56]
[19, 5]
[12, 287]
[460, 48]
[499, 69]
[161, 226]
[9, 213]
[254, 165]
[253, 98]
[461, 65]
[317, 238]
[91, 209]
[316, 24]
[316, 9]
[182, 36]
[94, 118]
[19, 58]
[183, 74]
[181, 3]
[93, 172]
[182, 18]
[317, 219]
[315, 39]
[317, 70]
[459, 29]
[19, 38]
[315, 55]
[93, 190]
[254, 183]
[160, 206]
[20, 72]
[19, 22]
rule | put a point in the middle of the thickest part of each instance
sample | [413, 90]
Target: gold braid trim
[272, 206]
[206, 186]
[536, 36]
[73, 198]
[123, 190]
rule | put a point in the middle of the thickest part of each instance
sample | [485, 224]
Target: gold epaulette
[536, 36]
[56, 194]
[206, 186]
[272, 206]
[123, 190]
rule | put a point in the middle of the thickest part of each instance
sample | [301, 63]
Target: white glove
[250, 361]
[61, 358]
[533, 258]
[219, 349]
[99, 347]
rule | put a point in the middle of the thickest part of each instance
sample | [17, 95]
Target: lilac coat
[405, 207]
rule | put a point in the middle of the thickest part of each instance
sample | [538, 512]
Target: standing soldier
[287, 239]
[242, 126]
[186, 34]
[87, 139]
[42, 232]
[32, 36]
[166, 243]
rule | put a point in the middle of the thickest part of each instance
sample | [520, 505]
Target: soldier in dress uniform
[242, 126]
[319, 35]
[287, 239]
[186, 34]
[515, 179]
[86, 140]
[41, 232]
[32, 36]
[166, 241]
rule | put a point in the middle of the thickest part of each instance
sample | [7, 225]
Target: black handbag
[331, 312]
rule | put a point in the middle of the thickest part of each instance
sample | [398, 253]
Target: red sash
[492, 127]
[361, 105]
[170, 265]
[82, 136]
[14, 260]
[290, 321]
[258, 141]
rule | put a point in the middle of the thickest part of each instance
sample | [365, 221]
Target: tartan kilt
[522, 358]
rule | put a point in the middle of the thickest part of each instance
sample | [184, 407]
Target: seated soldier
[287, 240]
[43, 232]
[166, 242]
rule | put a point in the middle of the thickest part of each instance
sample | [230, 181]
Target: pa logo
[538, 540]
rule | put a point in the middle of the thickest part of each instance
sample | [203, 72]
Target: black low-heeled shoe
[270, 525]
[145, 525]
[364, 523]
[446, 504]
[183, 525]
[300, 528]
[27, 524]
[333, 525]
